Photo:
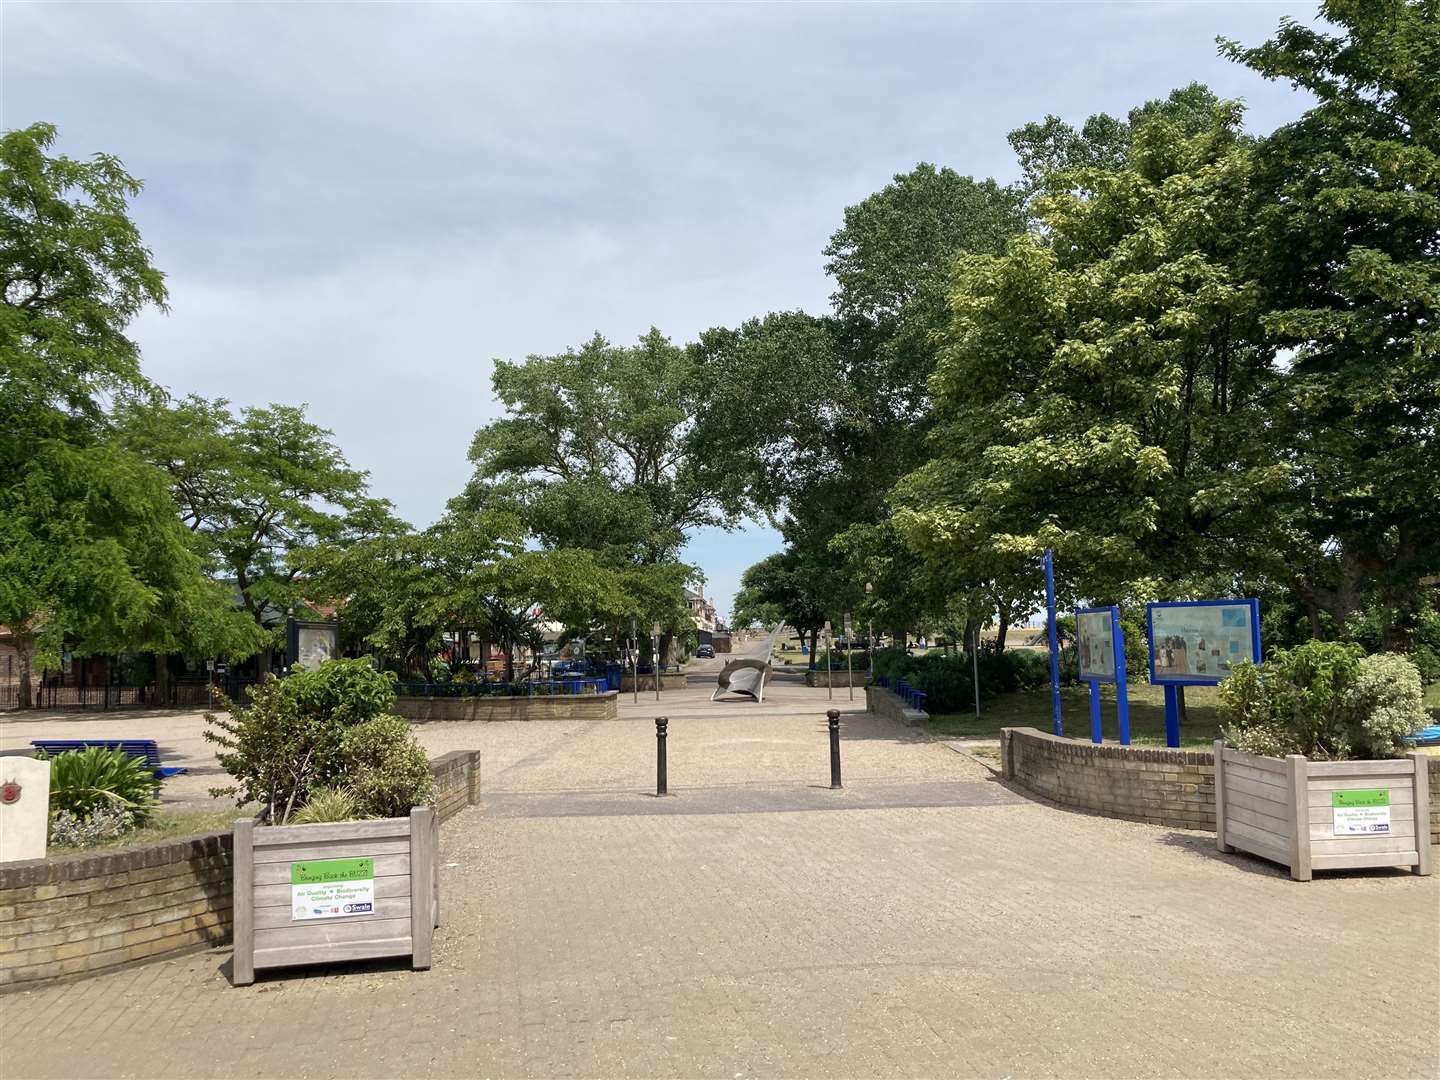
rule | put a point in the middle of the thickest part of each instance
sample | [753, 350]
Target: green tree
[1345, 215]
[90, 548]
[1104, 386]
[266, 491]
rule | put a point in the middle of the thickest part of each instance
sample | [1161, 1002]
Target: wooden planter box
[291, 909]
[1324, 815]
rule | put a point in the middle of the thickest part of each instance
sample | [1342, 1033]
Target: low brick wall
[884, 703]
[1161, 787]
[423, 710]
[670, 680]
[85, 913]
[817, 678]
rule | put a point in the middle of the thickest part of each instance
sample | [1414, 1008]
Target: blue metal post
[1172, 716]
[1054, 641]
[1095, 734]
[1122, 692]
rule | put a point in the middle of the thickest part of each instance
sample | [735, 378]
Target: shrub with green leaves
[83, 782]
[288, 740]
[1326, 700]
[386, 770]
[104, 823]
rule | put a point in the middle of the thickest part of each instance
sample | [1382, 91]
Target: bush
[104, 823]
[1326, 700]
[386, 771]
[1427, 661]
[948, 681]
[1388, 702]
[85, 782]
[290, 739]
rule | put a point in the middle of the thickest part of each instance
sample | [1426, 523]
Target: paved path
[926, 921]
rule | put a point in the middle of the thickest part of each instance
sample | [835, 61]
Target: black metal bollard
[834, 715]
[661, 723]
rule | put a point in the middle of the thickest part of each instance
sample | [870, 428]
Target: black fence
[181, 695]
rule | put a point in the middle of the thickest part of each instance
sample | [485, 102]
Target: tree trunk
[24, 648]
[266, 657]
[1002, 627]
[814, 642]
[162, 679]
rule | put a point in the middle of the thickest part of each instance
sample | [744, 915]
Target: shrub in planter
[1325, 700]
[386, 771]
[328, 804]
[104, 823]
[292, 739]
[86, 782]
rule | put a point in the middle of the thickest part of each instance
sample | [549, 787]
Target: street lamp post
[870, 631]
[655, 630]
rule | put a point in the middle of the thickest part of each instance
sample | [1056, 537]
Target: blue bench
[144, 749]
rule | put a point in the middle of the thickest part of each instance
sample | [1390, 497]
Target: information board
[1095, 642]
[1201, 641]
[332, 888]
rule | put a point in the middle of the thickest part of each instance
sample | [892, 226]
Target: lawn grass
[1032, 709]
[1147, 714]
[164, 825]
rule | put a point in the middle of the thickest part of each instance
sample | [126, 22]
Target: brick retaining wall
[423, 710]
[883, 702]
[84, 913]
[1162, 787]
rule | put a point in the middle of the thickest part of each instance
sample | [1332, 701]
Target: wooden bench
[144, 749]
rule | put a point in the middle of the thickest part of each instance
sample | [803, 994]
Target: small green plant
[83, 782]
[328, 804]
[386, 770]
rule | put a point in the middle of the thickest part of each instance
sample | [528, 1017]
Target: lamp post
[849, 648]
[829, 667]
[655, 630]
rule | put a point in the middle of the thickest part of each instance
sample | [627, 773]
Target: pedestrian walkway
[924, 921]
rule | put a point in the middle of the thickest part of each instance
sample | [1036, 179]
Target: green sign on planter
[332, 888]
[1363, 812]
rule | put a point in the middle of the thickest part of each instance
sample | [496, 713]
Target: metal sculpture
[743, 676]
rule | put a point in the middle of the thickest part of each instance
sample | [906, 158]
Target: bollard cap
[833, 714]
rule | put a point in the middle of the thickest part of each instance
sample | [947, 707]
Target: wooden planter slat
[1283, 810]
[406, 883]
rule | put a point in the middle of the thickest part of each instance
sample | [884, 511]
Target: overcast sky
[360, 206]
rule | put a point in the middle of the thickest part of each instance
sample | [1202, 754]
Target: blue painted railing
[535, 688]
[913, 697]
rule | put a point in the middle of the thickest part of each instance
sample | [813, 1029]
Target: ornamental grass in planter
[1313, 771]
[345, 865]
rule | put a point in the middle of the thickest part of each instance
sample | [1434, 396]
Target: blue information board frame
[1122, 696]
[1172, 683]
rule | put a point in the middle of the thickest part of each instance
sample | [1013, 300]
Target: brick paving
[940, 926]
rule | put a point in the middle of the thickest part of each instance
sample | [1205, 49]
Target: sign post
[1049, 562]
[1100, 658]
[1197, 643]
[829, 667]
[849, 648]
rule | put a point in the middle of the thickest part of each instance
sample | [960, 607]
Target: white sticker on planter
[1361, 813]
[332, 888]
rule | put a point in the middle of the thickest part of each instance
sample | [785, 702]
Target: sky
[361, 206]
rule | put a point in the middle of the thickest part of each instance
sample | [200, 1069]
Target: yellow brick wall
[72, 914]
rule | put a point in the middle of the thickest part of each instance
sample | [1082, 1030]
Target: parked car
[704, 652]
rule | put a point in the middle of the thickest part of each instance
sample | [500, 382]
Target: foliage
[90, 550]
[85, 781]
[265, 491]
[1326, 700]
[1342, 218]
[1388, 700]
[289, 739]
[386, 771]
[949, 682]
[102, 824]
[328, 804]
